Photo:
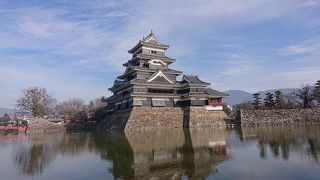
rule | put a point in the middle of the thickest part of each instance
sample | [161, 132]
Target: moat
[244, 153]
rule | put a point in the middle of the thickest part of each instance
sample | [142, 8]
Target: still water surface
[241, 153]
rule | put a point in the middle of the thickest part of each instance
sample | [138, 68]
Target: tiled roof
[193, 80]
[118, 82]
[214, 93]
[153, 56]
[150, 40]
[153, 42]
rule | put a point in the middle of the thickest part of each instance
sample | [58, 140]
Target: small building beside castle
[149, 94]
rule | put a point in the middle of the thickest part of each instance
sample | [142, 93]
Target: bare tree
[71, 108]
[6, 115]
[37, 101]
[305, 96]
[317, 92]
[95, 105]
[289, 101]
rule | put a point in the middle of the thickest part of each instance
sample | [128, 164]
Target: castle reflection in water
[165, 154]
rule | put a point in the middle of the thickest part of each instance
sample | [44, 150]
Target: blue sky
[76, 48]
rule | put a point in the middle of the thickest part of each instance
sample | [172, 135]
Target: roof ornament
[157, 62]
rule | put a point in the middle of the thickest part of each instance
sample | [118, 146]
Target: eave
[141, 43]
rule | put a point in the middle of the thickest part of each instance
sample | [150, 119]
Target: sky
[75, 49]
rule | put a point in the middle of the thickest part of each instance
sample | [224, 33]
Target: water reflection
[164, 154]
[35, 154]
[168, 153]
[283, 140]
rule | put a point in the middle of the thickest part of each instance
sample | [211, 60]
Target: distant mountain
[284, 91]
[239, 96]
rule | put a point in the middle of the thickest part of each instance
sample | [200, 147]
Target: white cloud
[311, 46]
[96, 36]
[240, 65]
[311, 3]
[295, 76]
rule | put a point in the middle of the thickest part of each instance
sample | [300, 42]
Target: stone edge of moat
[141, 119]
[279, 117]
[40, 125]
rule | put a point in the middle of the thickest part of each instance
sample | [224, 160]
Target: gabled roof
[150, 41]
[214, 93]
[159, 74]
[193, 80]
[145, 69]
[151, 38]
[118, 82]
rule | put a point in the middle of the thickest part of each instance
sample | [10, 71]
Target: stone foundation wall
[115, 121]
[155, 117]
[279, 116]
[200, 117]
[138, 118]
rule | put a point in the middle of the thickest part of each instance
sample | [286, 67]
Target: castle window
[153, 52]
[183, 91]
[139, 90]
[146, 65]
[161, 91]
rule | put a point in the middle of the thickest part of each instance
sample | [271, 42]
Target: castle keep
[149, 81]
[148, 94]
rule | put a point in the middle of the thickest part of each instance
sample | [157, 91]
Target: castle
[149, 91]
[149, 81]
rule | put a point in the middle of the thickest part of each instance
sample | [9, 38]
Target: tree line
[37, 102]
[305, 97]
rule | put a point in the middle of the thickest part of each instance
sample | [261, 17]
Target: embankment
[280, 117]
[138, 118]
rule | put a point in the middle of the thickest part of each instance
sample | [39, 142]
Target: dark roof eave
[162, 46]
[148, 56]
[199, 84]
[194, 80]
